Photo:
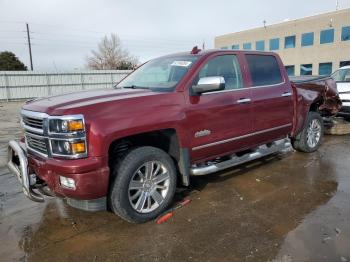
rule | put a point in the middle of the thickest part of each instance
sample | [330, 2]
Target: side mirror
[209, 84]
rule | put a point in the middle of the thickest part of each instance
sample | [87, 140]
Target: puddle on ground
[288, 207]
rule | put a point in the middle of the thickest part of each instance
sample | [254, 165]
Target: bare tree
[111, 55]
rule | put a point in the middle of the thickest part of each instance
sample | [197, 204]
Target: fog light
[67, 182]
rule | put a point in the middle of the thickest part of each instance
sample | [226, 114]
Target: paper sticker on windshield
[182, 63]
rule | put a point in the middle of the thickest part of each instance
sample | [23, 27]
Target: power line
[11, 37]
[122, 38]
[11, 22]
[15, 43]
[11, 31]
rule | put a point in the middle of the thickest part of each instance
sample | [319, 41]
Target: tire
[135, 197]
[314, 124]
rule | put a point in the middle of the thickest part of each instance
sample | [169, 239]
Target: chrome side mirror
[209, 84]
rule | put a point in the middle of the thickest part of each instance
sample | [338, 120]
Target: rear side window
[264, 70]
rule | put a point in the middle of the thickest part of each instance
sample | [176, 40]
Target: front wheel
[310, 138]
[144, 185]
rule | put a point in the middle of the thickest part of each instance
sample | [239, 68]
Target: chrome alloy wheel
[313, 133]
[149, 186]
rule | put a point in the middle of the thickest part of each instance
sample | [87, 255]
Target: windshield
[161, 74]
[342, 75]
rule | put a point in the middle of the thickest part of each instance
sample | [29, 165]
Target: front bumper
[40, 176]
[17, 162]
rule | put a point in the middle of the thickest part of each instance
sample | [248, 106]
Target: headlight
[68, 148]
[67, 136]
[66, 125]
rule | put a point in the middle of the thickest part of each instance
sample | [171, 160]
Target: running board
[235, 160]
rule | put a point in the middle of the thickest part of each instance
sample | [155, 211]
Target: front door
[219, 121]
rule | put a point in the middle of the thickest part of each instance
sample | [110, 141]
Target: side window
[264, 70]
[226, 66]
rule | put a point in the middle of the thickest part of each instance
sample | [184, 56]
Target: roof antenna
[195, 50]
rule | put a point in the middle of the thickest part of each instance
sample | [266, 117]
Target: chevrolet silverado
[127, 148]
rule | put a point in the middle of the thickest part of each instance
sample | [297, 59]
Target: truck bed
[325, 89]
[308, 79]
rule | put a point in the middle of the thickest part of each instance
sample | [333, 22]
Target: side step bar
[235, 160]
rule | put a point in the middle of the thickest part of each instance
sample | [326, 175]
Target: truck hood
[60, 104]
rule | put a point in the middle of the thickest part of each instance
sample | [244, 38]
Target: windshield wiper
[135, 87]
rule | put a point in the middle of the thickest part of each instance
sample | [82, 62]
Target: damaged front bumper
[17, 162]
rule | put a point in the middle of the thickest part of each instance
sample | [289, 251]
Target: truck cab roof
[213, 51]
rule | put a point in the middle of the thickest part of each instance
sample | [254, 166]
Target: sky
[64, 32]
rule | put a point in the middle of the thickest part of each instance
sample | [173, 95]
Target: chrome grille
[34, 127]
[36, 143]
[39, 139]
[33, 122]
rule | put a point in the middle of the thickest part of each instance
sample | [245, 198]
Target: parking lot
[287, 207]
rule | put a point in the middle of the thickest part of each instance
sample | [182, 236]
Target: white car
[342, 78]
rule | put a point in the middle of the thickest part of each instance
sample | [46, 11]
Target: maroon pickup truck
[189, 114]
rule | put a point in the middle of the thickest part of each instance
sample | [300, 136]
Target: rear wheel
[310, 138]
[144, 185]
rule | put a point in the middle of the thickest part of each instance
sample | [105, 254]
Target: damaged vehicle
[188, 114]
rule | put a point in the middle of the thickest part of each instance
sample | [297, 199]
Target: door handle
[286, 94]
[244, 100]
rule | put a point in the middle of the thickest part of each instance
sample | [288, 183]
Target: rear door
[219, 121]
[272, 101]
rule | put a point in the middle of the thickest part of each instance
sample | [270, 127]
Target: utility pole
[30, 48]
[337, 5]
[203, 45]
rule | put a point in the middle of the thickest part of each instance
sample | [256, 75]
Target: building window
[247, 46]
[264, 70]
[345, 33]
[307, 39]
[290, 70]
[327, 36]
[325, 69]
[306, 70]
[260, 45]
[289, 42]
[344, 63]
[235, 47]
[274, 44]
[224, 47]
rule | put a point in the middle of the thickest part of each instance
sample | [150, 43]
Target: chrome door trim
[239, 137]
[244, 88]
